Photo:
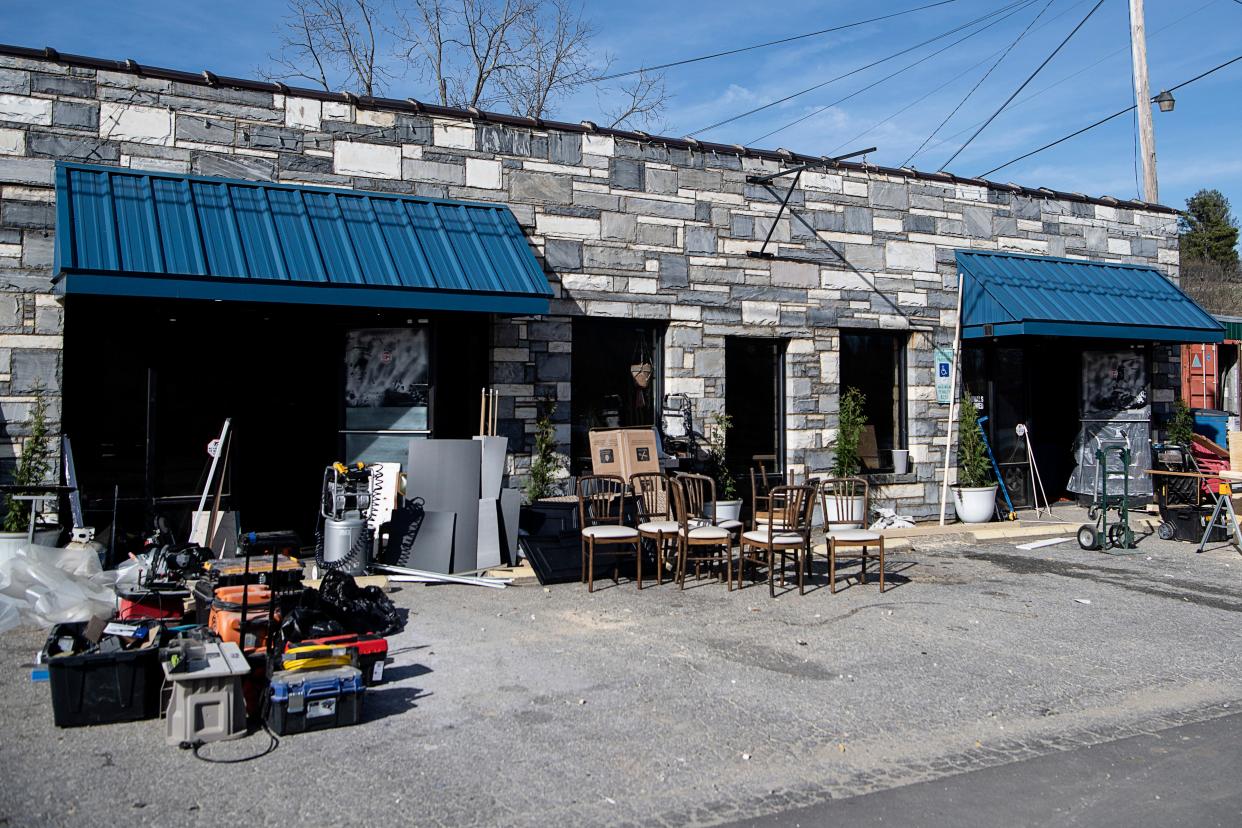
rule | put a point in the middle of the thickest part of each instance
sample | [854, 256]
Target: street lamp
[1165, 101]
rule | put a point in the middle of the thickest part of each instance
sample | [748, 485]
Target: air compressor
[344, 538]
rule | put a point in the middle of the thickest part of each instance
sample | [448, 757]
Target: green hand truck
[1103, 535]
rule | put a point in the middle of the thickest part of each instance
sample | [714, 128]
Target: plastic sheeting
[43, 586]
[1116, 411]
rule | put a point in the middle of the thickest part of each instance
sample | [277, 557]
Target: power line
[1029, 78]
[950, 82]
[1105, 120]
[978, 83]
[777, 42]
[1124, 49]
[858, 92]
[778, 101]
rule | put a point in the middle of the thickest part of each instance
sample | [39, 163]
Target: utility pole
[1142, 97]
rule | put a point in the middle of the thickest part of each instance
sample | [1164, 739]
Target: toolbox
[225, 618]
[101, 687]
[371, 652]
[163, 603]
[299, 701]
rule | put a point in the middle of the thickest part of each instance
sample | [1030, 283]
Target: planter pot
[550, 541]
[844, 513]
[974, 505]
[10, 542]
[901, 461]
[725, 509]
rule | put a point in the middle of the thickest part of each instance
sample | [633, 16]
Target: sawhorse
[1224, 510]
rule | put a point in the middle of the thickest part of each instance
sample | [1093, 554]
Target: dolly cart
[1102, 534]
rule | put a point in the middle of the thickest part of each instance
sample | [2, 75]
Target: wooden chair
[788, 532]
[698, 540]
[655, 514]
[700, 494]
[839, 496]
[601, 508]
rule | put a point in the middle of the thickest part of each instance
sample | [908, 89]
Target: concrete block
[25, 110]
[371, 160]
[140, 124]
[75, 114]
[545, 187]
[433, 172]
[12, 142]
[35, 171]
[302, 113]
[483, 173]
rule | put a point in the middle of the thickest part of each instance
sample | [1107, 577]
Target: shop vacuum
[344, 540]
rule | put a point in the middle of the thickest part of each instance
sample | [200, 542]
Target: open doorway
[605, 391]
[755, 399]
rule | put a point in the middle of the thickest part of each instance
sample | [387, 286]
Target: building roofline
[410, 105]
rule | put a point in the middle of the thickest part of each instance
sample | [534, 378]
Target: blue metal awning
[122, 232]
[1009, 294]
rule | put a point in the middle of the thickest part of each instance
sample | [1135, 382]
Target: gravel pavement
[535, 706]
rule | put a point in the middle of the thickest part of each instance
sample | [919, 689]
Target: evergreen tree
[1209, 231]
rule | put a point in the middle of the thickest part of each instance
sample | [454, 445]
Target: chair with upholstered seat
[786, 533]
[851, 539]
[701, 500]
[697, 539]
[601, 511]
[655, 514]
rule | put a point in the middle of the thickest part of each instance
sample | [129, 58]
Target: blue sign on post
[944, 372]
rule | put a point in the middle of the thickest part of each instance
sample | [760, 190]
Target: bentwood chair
[787, 532]
[601, 509]
[842, 499]
[697, 540]
[701, 499]
[655, 514]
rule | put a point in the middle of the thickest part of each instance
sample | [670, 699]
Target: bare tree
[327, 41]
[640, 101]
[525, 56]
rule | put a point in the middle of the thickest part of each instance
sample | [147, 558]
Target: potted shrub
[728, 505]
[33, 469]
[851, 418]
[1181, 427]
[549, 522]
[974, 496]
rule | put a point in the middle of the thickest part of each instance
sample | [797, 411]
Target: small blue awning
[122, 232]
[1009, 294]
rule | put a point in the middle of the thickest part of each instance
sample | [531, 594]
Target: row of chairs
[677, 515]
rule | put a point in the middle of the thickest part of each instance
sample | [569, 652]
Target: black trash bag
[359, 610]
[305, 622]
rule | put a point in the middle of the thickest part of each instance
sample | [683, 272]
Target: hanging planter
[642, 372]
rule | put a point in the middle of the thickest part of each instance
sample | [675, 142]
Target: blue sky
[1090, 78]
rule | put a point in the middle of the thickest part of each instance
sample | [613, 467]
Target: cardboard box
[624, 451]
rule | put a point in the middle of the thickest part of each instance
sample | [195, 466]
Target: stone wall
[626, 228]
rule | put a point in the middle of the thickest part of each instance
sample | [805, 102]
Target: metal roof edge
[209, 79]
[968, 253]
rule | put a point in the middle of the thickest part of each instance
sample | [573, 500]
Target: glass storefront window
[387, 392]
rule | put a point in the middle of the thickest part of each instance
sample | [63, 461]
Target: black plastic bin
[101, 688]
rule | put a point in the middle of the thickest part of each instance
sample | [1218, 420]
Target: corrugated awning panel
[1007, 294]
[135, 233]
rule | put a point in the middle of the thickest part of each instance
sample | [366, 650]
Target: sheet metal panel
[1043, 295]
[130, 228]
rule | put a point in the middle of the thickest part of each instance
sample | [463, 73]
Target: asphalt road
[533, 707]
[1182, 776]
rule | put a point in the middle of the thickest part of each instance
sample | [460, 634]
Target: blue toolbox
[302, 700]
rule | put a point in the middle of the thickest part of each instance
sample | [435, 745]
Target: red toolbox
[163, 603]
[372, 652]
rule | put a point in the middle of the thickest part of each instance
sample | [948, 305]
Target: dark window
[874, 362]
[604, 390]
[755, 399]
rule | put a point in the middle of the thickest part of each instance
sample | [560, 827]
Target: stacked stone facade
[627, 226]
